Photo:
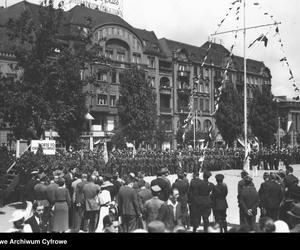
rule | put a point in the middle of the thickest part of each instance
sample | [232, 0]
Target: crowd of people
[76, 201]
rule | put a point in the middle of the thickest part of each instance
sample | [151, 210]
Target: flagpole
[245, 94]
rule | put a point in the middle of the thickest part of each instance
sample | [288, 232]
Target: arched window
[165, 82]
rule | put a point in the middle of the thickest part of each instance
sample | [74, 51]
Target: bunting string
[190, 116]
[218, 92]
[284, 59]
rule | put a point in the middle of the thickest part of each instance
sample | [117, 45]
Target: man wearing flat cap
[163, 184]
[262, 192]
[152, 206]
[200, 200]
[220, 205]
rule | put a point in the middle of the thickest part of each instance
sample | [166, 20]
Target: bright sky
[192, 21]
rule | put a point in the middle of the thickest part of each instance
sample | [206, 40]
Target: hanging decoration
[190, 116]
[218, 91]
[284, 59]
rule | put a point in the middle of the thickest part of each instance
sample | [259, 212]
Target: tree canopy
[137, 106]
[50, 88]
[229, 116]
[263, 116]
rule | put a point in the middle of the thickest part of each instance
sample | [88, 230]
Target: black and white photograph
[139, 116]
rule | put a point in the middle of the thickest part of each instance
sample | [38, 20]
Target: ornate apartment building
[171, 67]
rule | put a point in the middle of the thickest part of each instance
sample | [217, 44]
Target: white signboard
[110, 6]
[49, 146]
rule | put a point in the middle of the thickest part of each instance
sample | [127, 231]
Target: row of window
[202, 104]
[103, 100]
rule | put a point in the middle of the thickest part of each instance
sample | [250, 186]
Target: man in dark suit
[29, 188]
[262, 192]
[241, 185]
[163, 184]
[220, 205]
[183, 188]
[249, 202]
[129, 208]
[273, 198]
[35, 223]
[79, 204]
[290, 179]
[92, 205]
[200, 200]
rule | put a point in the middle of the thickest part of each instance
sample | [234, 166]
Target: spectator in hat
[183, 188]
[170, 212]
[152, 206]
[262, 192]
[29, 193]
[61, 208]
[219, 194]
[105, 201]
[163, 184]
[249, 202]
[129, 208]
[92, 205]
[241, 185]
[144, 194]
[79, 204]
[19, 216]
[273, 198]
[40, 192]
[108, 185]
[200, 200]
[290, 180]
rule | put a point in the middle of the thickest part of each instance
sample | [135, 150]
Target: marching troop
[116, 198]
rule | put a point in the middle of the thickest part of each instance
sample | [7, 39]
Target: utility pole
[279, 132]
[195, 120]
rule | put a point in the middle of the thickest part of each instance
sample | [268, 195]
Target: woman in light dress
[105, 200]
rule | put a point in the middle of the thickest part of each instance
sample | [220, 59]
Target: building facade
[170, 66]
[289, 120]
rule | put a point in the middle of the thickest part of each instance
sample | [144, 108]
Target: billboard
[49, 146]
[110, 6]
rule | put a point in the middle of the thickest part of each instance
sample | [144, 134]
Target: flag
[261, 38]
[183, 137]
[289, 126]
[283, 59]
[105, 153]
[210, 132]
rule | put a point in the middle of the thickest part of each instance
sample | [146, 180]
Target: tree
[229, 116]
[50, 88]
[137, 106]
[263, 116]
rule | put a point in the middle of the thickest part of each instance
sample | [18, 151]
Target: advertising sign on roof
[110, 6]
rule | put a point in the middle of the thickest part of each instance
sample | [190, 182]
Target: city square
[106, 127]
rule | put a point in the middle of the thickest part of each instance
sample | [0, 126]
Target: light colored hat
[281, 227]
[17, 215]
